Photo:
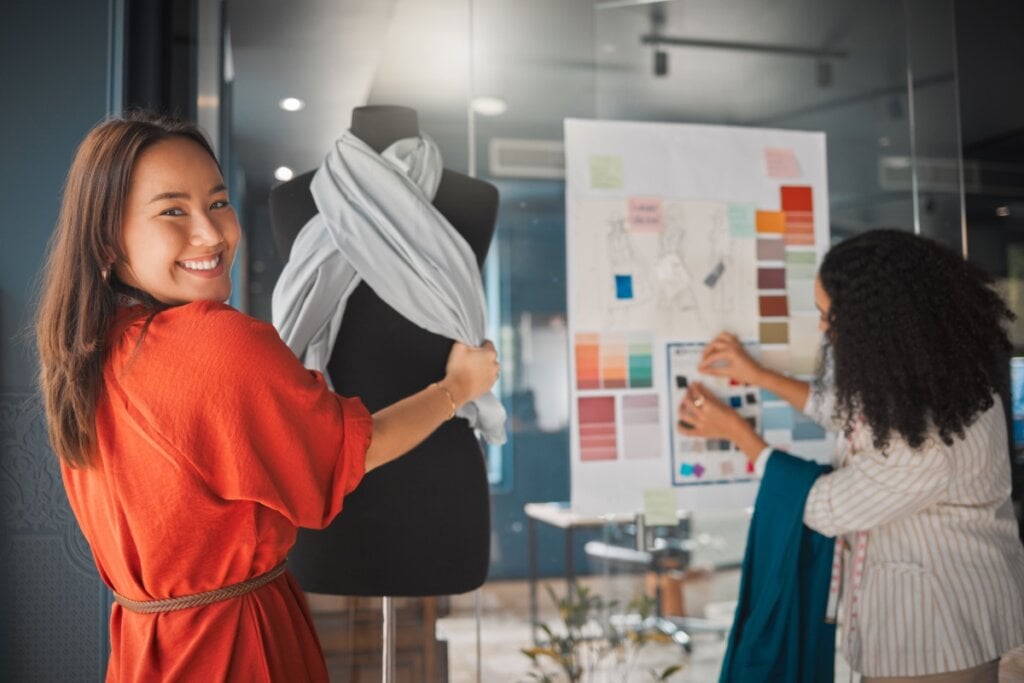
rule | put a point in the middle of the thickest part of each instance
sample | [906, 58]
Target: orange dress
[213, 445]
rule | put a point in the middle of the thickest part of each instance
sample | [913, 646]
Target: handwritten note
[645, 214]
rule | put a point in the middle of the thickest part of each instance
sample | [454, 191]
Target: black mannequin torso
[420, 525]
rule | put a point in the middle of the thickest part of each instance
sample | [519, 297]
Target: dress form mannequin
[419, 525]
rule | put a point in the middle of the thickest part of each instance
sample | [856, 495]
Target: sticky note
[781, 162]
[741, 220]
[605, 172]
[645, 214]
[660, 507]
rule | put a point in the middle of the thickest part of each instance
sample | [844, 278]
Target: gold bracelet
[450, 400]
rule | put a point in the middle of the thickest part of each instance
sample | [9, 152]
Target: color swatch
[588, 361]
[614, 361]
[771, 249]
[773, 306]
[597, 428]
[771, 278]
[741, 220]
[623, 286]
[641, 431]
[798, 206]
[774, 333]
[771, 222]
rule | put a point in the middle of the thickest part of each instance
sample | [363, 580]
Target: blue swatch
[777, 417]
[736, 401]
[624, 286]
[806, 430]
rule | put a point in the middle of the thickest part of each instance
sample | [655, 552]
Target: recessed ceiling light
[489, 106]
[283, 173]
[291, 104]
[1002, 211]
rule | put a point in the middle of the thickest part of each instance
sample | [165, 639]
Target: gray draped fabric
[376, 223]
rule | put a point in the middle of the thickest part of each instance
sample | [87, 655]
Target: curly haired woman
[919, 501]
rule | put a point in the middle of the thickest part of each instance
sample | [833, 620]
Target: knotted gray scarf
[376, 223]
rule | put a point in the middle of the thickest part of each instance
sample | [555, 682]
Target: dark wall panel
[55, 66]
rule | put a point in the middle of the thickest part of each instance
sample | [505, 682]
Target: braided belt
[197, 599]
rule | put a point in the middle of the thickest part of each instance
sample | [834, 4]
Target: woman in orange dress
[193, 443]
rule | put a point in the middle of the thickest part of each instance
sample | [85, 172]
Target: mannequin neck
[380, 125]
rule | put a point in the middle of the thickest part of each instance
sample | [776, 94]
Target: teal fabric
[779, 633]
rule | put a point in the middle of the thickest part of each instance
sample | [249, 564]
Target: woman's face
[823, 304]
[179, 233]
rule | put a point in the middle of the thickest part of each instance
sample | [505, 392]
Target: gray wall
[56, 66]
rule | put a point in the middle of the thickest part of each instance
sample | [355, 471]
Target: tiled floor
[504, 632]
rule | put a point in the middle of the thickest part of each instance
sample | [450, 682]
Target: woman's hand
[726, 357]
[703, 415]
[471, 371]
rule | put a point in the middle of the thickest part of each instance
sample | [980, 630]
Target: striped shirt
[943, 580]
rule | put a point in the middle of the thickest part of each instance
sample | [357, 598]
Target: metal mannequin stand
[388, 641]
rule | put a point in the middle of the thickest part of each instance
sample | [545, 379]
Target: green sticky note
[741, 220]
[660, 507]
[606, 172]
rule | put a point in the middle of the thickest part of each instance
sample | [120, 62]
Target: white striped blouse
[943, 581]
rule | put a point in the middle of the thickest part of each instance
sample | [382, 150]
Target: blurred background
[921, 101]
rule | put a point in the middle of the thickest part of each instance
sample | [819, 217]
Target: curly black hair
[917, 336]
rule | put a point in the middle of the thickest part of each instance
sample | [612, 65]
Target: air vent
[933, 174]
[521, 158]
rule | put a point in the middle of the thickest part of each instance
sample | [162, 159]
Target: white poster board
[674, 233]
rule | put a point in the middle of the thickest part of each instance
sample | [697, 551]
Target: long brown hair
[78, 297]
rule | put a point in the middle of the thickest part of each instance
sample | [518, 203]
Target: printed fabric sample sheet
[676, 232]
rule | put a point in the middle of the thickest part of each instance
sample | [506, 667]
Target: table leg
[532, 562]
[570, 569]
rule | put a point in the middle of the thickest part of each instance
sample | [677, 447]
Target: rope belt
[197, 599]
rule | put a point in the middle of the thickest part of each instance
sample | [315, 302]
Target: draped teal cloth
[779, 633]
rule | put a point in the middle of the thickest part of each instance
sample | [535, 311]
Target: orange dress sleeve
[220, 392]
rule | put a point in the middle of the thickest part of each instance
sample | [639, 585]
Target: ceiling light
[660, 63]
[1002, 211]
[489, 106]
[292, 104]
[283, 173]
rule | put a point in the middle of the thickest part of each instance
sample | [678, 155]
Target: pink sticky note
[645, 214]
[780, 162]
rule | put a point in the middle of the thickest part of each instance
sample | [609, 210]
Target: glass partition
[492, 82]
[877, 77]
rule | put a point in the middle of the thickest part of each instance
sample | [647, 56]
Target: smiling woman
[189, 473]
[180, 233]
